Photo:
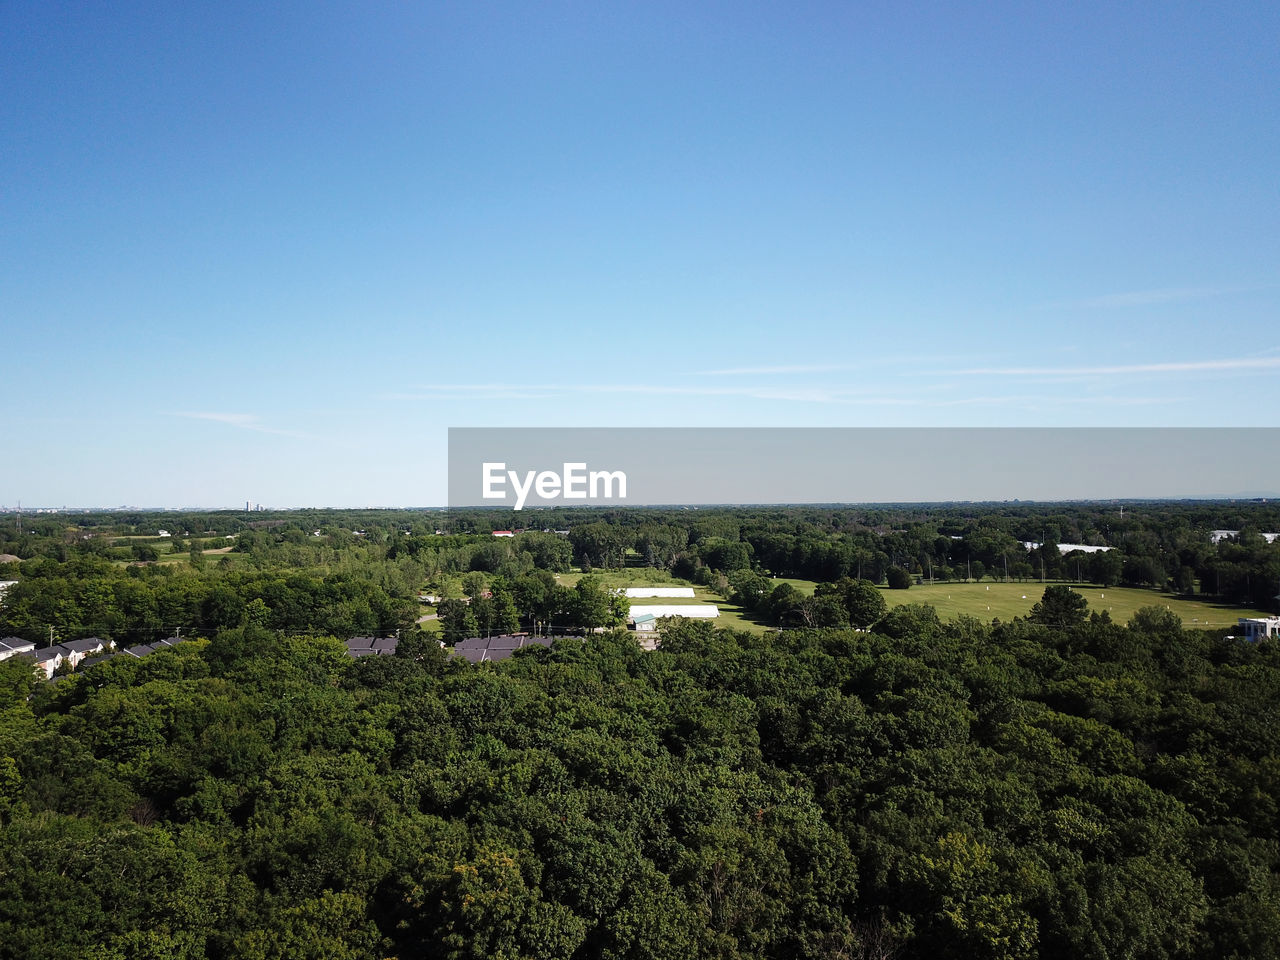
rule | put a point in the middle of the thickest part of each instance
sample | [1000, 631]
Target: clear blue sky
[271, 252]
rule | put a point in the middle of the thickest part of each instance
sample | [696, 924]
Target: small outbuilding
[12, 646]
[696, 611]
[1254, 629]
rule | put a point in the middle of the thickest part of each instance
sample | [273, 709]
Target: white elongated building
[1254, 629]
[668, 592]
[701, 611]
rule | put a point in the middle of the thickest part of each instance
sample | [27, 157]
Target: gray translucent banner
[539, 467]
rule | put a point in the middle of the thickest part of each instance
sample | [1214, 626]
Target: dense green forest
[865, 782]
[1061, 786]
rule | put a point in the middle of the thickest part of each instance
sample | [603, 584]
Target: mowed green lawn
[629, 577]
[731, 615]
[211, 556]
[985, 601]
[1008, 600]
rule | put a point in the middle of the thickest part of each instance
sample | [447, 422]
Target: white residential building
[12, 646]
[76, 650]
[48, 661]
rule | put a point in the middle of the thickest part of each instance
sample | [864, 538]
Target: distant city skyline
[275, 253]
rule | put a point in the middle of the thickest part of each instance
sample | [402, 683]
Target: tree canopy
[922, 789]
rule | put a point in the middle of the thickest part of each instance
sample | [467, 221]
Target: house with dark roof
[360, 646]
[48, 660]
[371, 646]
[142, 649]
[88, 662]
[80, 653]
[12, 646]
[76, 650]
[485, 649]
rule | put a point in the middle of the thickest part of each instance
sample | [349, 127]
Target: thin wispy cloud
[1027, 401]
[778, 370]
[916, 395]
[234, 419]
[1147, 298]
[810, 394]
[1103, 370]
[865, 364]
[241, 421]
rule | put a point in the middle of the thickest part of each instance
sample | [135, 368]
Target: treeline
[1063, 787]
[845, 603]
[510, 557]
[137, 605]
[1151, 544]
[535, 601]
[1167, 546]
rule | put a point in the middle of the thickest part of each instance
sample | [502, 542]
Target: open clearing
[184, 556]
[1008, 600]
[986, 600]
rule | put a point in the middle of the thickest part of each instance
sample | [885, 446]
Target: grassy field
[629, 577]
[801, 586]
[1009, 600]
[184, 556]
[433, 627]
[982, 600]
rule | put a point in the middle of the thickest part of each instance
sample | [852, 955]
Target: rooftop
[86, 645]
[371, 646]
[484, 649]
